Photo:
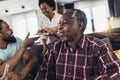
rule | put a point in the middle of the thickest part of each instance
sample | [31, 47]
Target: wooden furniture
[113, 35]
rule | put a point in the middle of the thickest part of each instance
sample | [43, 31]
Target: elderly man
[78, 56]
[16, 53]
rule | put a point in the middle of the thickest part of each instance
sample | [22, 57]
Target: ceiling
[66, 1]
[8, 7]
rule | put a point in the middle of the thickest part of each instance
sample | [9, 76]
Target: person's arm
[30, 59]
[14, 60]
[108, 65]
[41, 74]
[44, 41]
[47, 68]
[51, 72]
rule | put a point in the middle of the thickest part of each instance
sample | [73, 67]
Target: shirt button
[98, 51]
[70, 62]
[69, 73]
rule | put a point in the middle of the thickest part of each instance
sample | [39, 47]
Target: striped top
[90, 60]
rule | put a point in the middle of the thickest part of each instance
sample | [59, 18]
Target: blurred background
[103, 16]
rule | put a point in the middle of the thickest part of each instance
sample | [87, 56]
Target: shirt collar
[81, 43]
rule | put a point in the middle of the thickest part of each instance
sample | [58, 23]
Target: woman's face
[46, 9]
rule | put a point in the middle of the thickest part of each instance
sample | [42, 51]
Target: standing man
[15, 52]
[78, 56]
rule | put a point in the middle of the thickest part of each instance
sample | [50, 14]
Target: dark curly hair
[51, 3]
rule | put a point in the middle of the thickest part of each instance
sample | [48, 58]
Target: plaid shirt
[90, 60]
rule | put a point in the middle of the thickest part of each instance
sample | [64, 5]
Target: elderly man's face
[69, 27]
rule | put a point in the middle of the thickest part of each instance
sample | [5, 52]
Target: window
[97, 13]
[24, 23]
[100, 18]
[89, 25]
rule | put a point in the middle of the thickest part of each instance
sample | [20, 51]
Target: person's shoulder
[58, 43]
[18, 40]
[95, 40]
[58, 15]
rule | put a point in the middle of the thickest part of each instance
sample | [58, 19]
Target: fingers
[27, 35]
[35, 38]
[8, 76]
[29, 41]
[12, 76]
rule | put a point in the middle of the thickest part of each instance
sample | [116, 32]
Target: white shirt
[45, 22]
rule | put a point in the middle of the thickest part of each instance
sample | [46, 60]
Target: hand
[12, 76]
[41, 31]
[52, 31]
[29, 41]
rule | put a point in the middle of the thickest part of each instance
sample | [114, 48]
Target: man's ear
[81, 25]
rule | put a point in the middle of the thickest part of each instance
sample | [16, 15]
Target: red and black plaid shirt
[90, 60]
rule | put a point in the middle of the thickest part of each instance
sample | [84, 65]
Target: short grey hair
[79, 15]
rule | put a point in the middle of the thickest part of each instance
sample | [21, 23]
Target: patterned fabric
[90, 60]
